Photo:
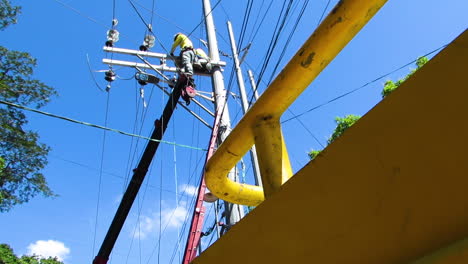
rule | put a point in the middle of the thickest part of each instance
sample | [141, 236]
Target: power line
[274, 39]
[245, 22]
[291, 34]
[100, 172]
[323, 13]
[152, 13]
[80, 13]
[261, 21]
[96, 126]
[362, 86]
[148, 26]
[192, 203]
[113, 13]
[106, 172]
[204, 17]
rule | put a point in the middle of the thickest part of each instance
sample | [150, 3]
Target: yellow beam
[340, 26]
[392, 189]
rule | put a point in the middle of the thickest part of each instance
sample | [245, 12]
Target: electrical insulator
[145, 78]
[110, 76]
[148, 43]
[112, 37]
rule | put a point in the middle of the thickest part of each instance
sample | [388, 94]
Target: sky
[88, 168]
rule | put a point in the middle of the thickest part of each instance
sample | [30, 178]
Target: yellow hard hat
[176, 35]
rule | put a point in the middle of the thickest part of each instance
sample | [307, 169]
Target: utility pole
[233, 212]
[245, 103]
[252, 83]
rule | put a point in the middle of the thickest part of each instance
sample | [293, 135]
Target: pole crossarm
[149, 54]
[162, 67]
[261, 125]
[163, 57]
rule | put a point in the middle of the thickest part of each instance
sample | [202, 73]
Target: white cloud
[174, 218]
[147, 226]
[170, 217]
[188, 189]
[49, 248]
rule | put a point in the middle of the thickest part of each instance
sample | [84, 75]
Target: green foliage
[8, 13]
[7, 256]
[16, 82]
[314, 153]
[21, 155]
[342, 123]
[390, 86]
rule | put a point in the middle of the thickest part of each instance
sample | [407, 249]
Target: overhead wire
[152, 13]
[323, 13]
[289, 110]
[100, 172]
[148, 26]
[175, 174]
[203, 20]
[80, 13]
[191, 206]
[113, 12]
[96, 126]
[107, 172]
[92, 75]
[256, 19]
[261, 22]
[131, 158]
[160, 197]
[160, 215]
[245, 23]
[138, 222]
[360, 87]
[274, 39]
[285, 46]
[225, 12]
[172, 214]
[142, 120]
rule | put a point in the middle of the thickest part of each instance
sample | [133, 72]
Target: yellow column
[272, 154]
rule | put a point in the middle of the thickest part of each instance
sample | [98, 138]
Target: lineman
[186, 52]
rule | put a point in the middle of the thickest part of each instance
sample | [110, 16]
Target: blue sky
[61, 34]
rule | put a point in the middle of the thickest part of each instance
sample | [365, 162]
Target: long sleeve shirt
[182, 41]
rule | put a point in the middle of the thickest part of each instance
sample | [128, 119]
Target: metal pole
[137, 179]
[252, 83]
[234, 212]
[245, 103]
[221, 128]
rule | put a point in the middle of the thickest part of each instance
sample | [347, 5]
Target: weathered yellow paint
[274, 163]
[341, 25]
[390, 190]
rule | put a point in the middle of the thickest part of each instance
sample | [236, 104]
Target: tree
[342, 124]
[21, 155]
[7, 256]
[8, 13]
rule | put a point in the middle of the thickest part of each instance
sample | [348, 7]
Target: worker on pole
[187, 53]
